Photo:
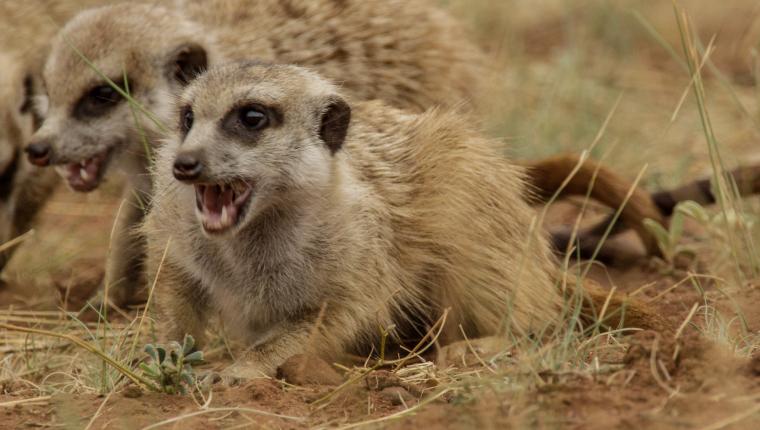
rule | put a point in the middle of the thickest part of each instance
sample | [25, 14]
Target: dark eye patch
[98, 101]
[247, 120]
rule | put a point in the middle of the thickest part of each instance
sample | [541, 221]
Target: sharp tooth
[83, 163]
[225, 216]
[83, 174]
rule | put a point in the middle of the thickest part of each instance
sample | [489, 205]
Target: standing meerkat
[408, 54]
[306, 222]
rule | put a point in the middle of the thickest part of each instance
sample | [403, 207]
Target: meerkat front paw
[234, 375]
[247, 371]
[206, 380]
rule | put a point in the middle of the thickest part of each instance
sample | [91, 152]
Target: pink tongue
[214, 199]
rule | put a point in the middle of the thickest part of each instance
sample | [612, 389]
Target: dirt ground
[566, 66]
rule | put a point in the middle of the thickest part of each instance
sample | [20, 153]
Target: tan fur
[412, 215]
[411, 54]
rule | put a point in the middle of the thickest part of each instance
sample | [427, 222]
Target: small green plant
[669, 240]
[715, 225]
[171, 366]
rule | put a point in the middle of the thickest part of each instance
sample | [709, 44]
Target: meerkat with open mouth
[308, 222]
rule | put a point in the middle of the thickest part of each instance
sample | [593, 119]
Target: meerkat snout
[38, 153]
[187, 167]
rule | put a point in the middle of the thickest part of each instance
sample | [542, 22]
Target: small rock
[304, 369]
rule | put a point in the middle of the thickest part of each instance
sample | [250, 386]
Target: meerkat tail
[550, 174]
[746, 178]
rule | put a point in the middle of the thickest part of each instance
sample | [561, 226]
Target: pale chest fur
[258, 277]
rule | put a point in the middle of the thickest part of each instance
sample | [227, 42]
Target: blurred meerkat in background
[27, 28]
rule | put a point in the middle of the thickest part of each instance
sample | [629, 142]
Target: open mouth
[221, 206]
[84, 175]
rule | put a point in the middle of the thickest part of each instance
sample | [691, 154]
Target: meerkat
[27, 27]
[411, 55]
[307, 221]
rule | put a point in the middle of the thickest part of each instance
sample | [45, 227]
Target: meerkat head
[251, 136]
[147, 51]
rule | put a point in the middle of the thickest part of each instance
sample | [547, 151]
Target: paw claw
[223, 379]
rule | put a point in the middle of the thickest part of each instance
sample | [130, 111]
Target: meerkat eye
[104, 94]
[187, 118]
[253, 117]
[97, 101]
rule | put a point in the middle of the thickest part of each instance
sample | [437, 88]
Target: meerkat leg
[324, 336]
[181, 302]
[263, 360]
[124, 270]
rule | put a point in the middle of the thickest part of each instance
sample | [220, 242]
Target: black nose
[38, 153]
[187, 167]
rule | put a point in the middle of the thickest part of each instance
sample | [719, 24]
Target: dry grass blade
[137, 379]
[99, 410]
[34, 400]
[17, 240]
[686, 321]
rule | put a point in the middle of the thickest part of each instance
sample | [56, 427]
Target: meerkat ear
[334, 125]
[187, 62]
